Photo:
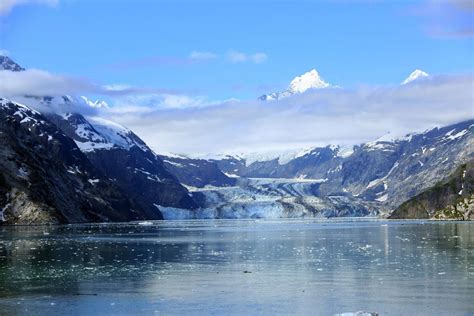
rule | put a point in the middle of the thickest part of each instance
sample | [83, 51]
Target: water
[239, 267]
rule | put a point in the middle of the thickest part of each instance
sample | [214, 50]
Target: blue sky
[148, 43]
[177, 64]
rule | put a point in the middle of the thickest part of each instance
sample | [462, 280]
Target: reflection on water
[246, 266]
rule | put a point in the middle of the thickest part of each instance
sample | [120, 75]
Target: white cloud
[258, 58]
[7, 5]
[196, 55]
[4, 52]
[238, 57]
[333, 116]
[39, 83]
[147, 102]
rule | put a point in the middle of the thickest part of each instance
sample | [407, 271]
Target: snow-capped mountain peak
[6, 63]
[300, 84]
[95, 133]
[415, 75]
[309, 80]
[96, 103]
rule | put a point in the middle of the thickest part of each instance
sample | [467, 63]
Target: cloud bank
[315, 118]
[40, 83]
[170, 121]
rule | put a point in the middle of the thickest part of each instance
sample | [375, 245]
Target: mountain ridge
[317, 181]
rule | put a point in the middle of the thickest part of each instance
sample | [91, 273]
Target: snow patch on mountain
[115, 134]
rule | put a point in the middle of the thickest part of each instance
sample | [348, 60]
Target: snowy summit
[309, 80]
[300, 84]
[415, 75]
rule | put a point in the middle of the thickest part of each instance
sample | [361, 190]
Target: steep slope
[44, 177]
[196, 172]
[6, 63]
[126, 159]
[451, 198]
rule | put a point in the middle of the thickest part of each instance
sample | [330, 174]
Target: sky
[167, 65]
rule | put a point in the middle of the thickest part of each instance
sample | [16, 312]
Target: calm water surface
[239, 267]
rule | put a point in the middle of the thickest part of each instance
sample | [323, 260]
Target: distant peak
[300, 84]
[95, 104]
[6, 63]
[308, 80]
[415, 75]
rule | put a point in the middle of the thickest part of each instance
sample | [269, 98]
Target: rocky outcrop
[451, 198]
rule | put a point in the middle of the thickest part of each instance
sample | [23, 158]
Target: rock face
[45, 178]
[197, 172]
[6, 63]
[123, 157]
[451, 198]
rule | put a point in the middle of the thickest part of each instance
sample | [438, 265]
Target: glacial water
[250, 267]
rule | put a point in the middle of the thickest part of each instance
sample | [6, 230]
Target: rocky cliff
[45, 178]
[451, 198]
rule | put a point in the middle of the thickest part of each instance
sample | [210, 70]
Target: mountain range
[62, 166]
